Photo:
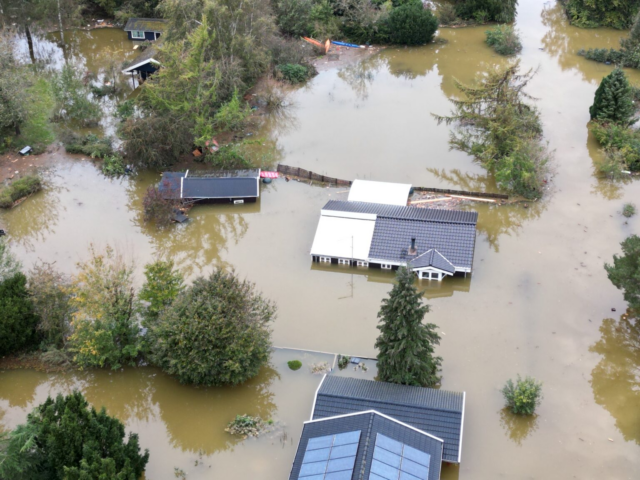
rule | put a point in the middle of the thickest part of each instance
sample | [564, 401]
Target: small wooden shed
[144, 28]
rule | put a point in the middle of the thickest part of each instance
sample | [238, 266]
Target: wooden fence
[308, 175]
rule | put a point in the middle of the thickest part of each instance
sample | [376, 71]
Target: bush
[613, 164]
[125, 109]
[18, 320]
[343, 362]
[232, 155]
[294, 364]
[601, 13]
[217, 332]
[523, 397]
[159, 207]
[247, 426]
[482, 11]
[412, 24]
[233, 114]
[629, 210]
[90, 144]
[614, 100]
[73, 98]
[9, 265]
[293, 73]
[49, 291]
[106, 333]
[65, 438]
[293, 17]
[446, 14]
[23, 187]
[504, 40]
[113, 166]
[621, 144]
[625, 271]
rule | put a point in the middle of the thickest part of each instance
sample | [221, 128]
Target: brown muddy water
[538, 303]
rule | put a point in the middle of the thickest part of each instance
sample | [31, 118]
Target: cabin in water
[144, 28]
[228, 186]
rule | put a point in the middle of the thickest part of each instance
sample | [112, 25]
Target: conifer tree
[625, 271]
[614, 100]
[405, 344]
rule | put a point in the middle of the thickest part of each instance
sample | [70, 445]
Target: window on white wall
[385, 266]
[137, 34]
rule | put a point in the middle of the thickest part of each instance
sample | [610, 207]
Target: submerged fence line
[309, 175]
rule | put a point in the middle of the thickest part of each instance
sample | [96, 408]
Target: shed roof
[372, 427]
[212, 187]
[379, 192]
[404, 212]
[143, 59]
[437, 412]
[145, 25]
[343, 237]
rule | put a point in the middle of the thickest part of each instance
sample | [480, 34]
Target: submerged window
[137, 34]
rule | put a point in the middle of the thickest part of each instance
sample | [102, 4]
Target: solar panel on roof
[331, 457]
[393, 460]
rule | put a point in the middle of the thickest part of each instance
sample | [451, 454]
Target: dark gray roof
[211, 187]
[142, 59]
[437, 412]
[219, 187]
[145, 25]
[407, 213]
[370, 424]
[432, 258]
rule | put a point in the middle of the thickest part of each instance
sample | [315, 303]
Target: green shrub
[73, 98]
[163, 283]
[446, 14]
[293, 17]
[66, 438]
[125, 109]
[294, 364]
[23, 187]
[629, 210]
[18, 320]
[621, 145]
[523, 397]
[90, 144]
[613, 164]
[601, 13]
[233, 114]
[216, 332]
[504, 40]
[233, 155]
[625, 271]
[293, 73]
[113, 166]
[343, 361]
[158, 207]
[412, 24]
[9, 265]
[247, 426]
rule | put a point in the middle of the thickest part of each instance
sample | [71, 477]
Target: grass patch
[20, 188]
[36, 131]
[92, 145]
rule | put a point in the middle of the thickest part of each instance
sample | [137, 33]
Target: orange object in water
[327, 46]
[313, 42]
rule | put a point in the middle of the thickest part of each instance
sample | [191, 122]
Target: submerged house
[235, 186]
[144, 64]
[367, 430]
[376, 228]
[144, 28]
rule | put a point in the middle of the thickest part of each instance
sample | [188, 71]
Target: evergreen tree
[625, 271]
[412, 24]
[65, 438]
[614, 100]
[17, 318]
[405, 344]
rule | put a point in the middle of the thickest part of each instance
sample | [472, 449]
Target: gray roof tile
[408, 213]
[437, 412]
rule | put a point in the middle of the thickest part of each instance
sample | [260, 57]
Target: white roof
[379, 192]
[341, 237]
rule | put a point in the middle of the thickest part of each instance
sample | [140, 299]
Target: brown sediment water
[536, 303]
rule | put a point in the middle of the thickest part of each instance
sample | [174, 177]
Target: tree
[163, 284]
[73, 99]
[65, 438]
[105, 329]
[614, 100]
[17, 318]
[217, 332]
[502, 131]
[406, 345]
[503, 11]
[601, 13]
[14, 82]
[412, 24]
[9, 265]
[49, 291]
[625, 271]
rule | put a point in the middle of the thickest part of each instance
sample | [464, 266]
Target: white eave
[133, 67]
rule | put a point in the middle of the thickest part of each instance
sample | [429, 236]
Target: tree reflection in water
[360, 75]
[195, 418]
[494, 219]
[518, 427]
[616, 378]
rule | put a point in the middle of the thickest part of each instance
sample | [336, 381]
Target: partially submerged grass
[629, 210]
[18, 189]
[504, 40]
[36, 131]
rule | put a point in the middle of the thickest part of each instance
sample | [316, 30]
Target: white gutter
[464, 401]
[315, 398]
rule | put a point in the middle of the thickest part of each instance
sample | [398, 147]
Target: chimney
[412, 250]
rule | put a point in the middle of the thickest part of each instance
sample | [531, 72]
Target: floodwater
[538, 303]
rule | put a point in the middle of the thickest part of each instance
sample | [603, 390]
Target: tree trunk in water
[30, 42]
[60, 26]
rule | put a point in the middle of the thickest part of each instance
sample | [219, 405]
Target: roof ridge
[437, 409]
